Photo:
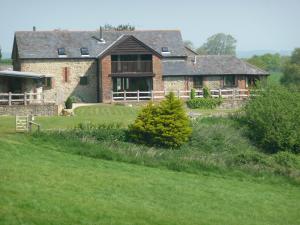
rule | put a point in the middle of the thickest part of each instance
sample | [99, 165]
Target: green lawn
[40, 185]
[96, 114]
[105, 113]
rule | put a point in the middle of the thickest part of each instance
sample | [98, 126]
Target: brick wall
[158, 83]
[241, 82]
[106, 81]
[60, 89]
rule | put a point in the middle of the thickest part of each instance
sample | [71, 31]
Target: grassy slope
[42, 186]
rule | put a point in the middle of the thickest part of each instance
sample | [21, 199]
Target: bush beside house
[165, 125]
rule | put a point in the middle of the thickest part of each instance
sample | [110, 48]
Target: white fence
[21, 98]
[156, 95]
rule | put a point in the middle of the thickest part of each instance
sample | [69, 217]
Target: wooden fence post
[25, 98]
[152, 95]
[124, 95]
[138, 95]
[112, 96]
[9, 98]
[220, 93]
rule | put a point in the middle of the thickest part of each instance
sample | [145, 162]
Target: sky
[256, 24]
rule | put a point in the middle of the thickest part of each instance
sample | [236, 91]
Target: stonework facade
[65, 78]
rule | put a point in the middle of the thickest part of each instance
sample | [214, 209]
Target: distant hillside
[249, 54]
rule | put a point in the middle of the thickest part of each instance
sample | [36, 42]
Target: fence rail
[156, 95]
[21, 98]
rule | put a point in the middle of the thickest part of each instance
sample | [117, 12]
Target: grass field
[46, 180]
[40, 185]
[105, 114]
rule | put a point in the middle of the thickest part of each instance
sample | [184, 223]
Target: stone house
[90, 65]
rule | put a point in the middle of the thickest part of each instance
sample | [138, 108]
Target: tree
[165, 125]
[219, 44]
[189, 44]
[0, 53]
[273, 119]
[291, 71]
[120, 27]
[269, 62]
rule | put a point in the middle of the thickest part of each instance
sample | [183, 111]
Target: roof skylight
[61, 52]
[84, 51]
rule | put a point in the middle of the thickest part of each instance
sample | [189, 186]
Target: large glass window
[229, 81]
[132, 84]
[198, 82]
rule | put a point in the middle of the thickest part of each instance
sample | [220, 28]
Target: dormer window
[84, 52]
[165, 50]
[61, 52]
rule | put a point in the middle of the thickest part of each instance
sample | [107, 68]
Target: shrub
[69, 103]
[204, 103]
[165, 125]
[273, 119]
[193, 94]
[206, 92]
[285, 159]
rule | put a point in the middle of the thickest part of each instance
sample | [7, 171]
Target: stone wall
[174, 83]
[37, 110]
[61, 90]
[213, 82]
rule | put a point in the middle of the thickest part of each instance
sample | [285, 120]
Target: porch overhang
[132, 75]
[19, 74]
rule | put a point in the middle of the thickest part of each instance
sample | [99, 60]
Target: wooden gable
[130, 45]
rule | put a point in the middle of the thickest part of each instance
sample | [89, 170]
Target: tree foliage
[189, 44]
[273, 119]
[219, 44]
[120, 27]
[291, 71]
[268, 62]
[165, 125]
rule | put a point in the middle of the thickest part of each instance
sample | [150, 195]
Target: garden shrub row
[204, 103]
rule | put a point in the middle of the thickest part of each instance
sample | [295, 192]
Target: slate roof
[210, 65]
[10, 73]
[44, 44]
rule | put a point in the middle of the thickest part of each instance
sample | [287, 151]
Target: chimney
[101, 35]
[33, 28]
[194, 60]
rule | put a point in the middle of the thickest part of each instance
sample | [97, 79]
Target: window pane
[198, 82]
[83, 80]
[229, 81]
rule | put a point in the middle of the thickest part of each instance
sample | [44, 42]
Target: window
[61, 51]
[47, 82]
[165, 49]
[66, 73]
[229, 81]
[84, 51]
[198, 82]
[83, 81]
